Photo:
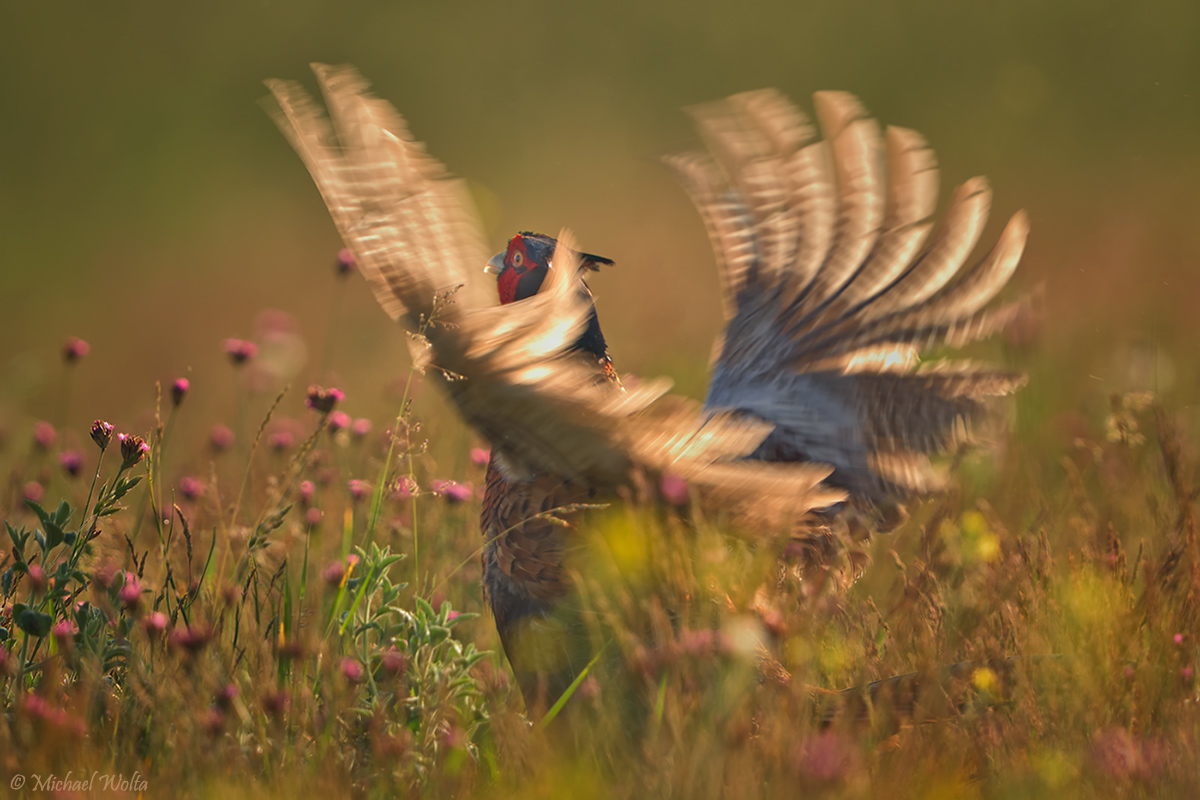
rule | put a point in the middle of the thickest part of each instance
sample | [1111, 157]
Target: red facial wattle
[506, 284]
[515, 265]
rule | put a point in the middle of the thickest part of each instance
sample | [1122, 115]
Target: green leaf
[54, 534]
[122, 487]
[389, 560]
[18, 539]
[423, 606]
[570, 690]
[33, 622]
[37, 509]
[51, 523]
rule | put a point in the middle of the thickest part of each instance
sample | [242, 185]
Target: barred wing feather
[832, 285]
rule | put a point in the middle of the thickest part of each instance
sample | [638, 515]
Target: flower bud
[345, 262]
[133, 447]
[71, 462]
[323, 400]
[74, 349]
[239, 350]
[352, 669]
[44, 435]
[102, 434]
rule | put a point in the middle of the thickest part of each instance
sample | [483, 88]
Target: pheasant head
[521, 267]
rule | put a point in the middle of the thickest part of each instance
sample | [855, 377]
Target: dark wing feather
[830, 297]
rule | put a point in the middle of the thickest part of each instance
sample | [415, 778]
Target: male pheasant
[833, 280]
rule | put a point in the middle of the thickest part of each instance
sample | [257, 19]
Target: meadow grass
[247, 616]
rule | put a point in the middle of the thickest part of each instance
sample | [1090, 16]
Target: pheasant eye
[518, 260]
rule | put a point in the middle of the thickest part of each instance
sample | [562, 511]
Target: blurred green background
[148, 205]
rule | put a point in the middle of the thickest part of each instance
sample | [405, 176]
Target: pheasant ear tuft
[594, 262]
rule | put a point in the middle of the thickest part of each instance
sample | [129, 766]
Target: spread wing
[834, 277]
[413, 232]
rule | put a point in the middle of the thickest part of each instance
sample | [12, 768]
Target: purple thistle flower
[101, 434]
[306, 492]
[74, 349]
[338, 420]
[345, 262]
[1187, 673]
[1178, 638]
[190, 487]
[1116, 753]
[826, 757]
[674, 488]
[393, 662]
[37, 577]
[281, 441]
[453, 491]
[192, 639]
[64, 631]
[405, 488]
[333, 573]
[239, 350]
[133, 448]
[105, 575]
[33, 491]
[312, 517]
[44, 435]
[352, 669]
[697, 642]
[480, 456]
[358, 489]
[155, 622]
[71, 461]
[360, 428]
[131, 592]
[220, 437]
[323, 400]
[213, 721]
[274, 702]
[179, 390]
[59, 718]
[226, 695]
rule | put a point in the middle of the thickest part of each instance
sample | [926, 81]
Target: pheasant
[833, 280]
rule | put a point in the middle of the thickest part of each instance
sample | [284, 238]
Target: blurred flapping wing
[831, 287]
[507, 368]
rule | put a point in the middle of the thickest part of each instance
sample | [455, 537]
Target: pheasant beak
[495, 264]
